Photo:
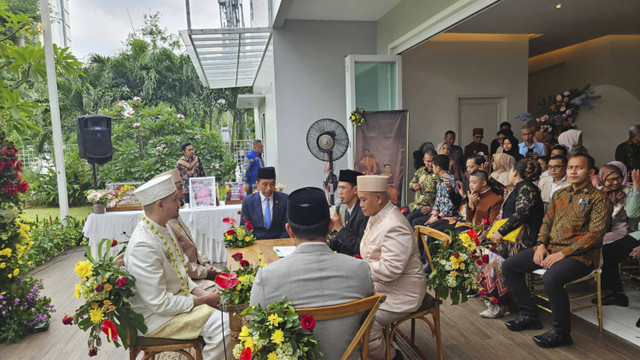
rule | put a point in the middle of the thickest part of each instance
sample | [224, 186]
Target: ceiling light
[558, 6]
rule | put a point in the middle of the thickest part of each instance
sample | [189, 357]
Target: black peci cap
[308, 206]
[349, 176]
[267, 172]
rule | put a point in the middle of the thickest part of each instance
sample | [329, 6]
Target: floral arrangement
[456, 266]
[280, 187]
[108, 198]
[238, 236]
[357, 117]
[558, 113]
[235, 287]
[223, 191]
[122, 189]
[277, 332]
[106, 288]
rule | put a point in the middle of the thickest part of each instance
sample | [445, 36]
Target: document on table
[283, 251]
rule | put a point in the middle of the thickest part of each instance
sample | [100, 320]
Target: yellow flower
[112, 308]
[16, 272]
[239, 286]
[244, 331]
[248, 342]
[104, 278]
[247, 238]
[462, 266]
[455, 265]
[277, 337]
[263, 264]
[275, 319]
[10, 276]
[76, 294]
[3, 265]
[94, 305]
[108, 287]
[107, 302]
[96, 316]
[453, 259]
[272, 356]
[453, 273]
[84, 269]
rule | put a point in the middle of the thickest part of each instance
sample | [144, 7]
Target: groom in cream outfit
[171, 303]
[391, 249]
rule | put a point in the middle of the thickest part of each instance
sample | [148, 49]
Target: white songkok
[373, 183]
[175, 175]
[155, 189]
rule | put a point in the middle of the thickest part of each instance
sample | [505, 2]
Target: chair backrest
[421, 233]
[369, 304]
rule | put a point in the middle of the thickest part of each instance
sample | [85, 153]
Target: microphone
[337, 205]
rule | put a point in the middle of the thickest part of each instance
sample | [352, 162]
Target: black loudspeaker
[94, 138]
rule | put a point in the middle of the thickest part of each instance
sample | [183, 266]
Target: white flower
[121, 104]
[566, 93]
[158, 148]
[558, 97]
[136, 98]
[563, 108]
[168, 109]
[127, 116]
[136, 125]
[180, 116]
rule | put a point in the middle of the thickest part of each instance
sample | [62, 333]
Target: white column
[55, 109]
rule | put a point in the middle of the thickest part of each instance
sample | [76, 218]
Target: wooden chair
[535, 281]
[430, 305]
[369, 305]
[150, 347]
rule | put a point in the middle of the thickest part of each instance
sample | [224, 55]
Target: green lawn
[79, 213]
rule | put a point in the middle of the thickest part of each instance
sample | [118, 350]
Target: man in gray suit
[314, 275]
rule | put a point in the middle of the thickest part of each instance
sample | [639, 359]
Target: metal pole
[95, 176]
[55, 110]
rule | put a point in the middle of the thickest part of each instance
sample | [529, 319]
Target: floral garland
[558, 113]
[238, 236]
[174, 253]
[277, 332]
[357, 117]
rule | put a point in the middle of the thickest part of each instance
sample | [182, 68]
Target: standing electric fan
[328, 141]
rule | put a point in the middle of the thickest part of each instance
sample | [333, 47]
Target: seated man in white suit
[314, 275]
[170, 302]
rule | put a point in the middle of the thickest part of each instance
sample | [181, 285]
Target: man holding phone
[568, 247]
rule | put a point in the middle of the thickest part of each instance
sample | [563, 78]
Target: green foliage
[146, 142]
[23, 309]
[51, 237]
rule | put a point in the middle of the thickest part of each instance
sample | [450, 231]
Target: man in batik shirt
[252, 162]
[190, 166]
[424, 184]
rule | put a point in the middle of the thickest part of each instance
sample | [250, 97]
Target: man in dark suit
[347, 237]
[267, 208]
[313, 275]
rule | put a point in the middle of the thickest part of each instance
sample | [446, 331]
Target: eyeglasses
[616, 179]
[478, 136]
[555, 167]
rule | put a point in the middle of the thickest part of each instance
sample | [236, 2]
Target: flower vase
[98, 209]
[236, 321]
[221, 202]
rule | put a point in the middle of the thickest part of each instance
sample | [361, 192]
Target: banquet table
[205, 224]
[261, 247]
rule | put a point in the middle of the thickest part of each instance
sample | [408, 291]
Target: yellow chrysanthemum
[107, 302]
[455, 265]
[275, 319]
[249, 342]
[108, 287]
[277, 337]
[244, 331]
[94, 305]
[16, 272]
[239, 286]
[84, 269]
[453, 273]
[247, 238]
[112, 308]
[3, 265]
[462, 266]
[272, 356]
[96, 316]
[76, 294]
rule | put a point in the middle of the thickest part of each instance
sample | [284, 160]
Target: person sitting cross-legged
[568, 245]
[313, 275]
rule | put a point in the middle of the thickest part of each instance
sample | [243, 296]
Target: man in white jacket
[171, 303]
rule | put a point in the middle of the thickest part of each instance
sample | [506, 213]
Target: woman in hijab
[572, 140]
[616, 243]
[510, 146]
[502, 164]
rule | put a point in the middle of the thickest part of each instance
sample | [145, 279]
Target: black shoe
[524, 323]
[552, 339]
[619, 299]
[638, 323]
[398, 355]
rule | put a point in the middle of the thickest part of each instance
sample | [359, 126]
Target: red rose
[485, 258]
[109, 328]
[226, 280]
[485, 221]
[230, 232]
[494, 301]
[99, 288]
[483, 292]
[357, 256]
[67, 320]
[244, 263]
[456, 255]
[18, 164]
[307, 322]
[93, 352]
[237, 256]
[479, 262]
[114, 243]
[249, 226]
[472, 234]
[474, 256]
[122, 281]
[246, 354]
[9, 189]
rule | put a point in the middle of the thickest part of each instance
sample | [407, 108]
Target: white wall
[265, 85]
[435, 73]
[610, 63]
[310, 83]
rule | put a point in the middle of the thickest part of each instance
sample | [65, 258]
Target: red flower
[22, 186]
[485, 221]
[93, 352]
[18, 164]
[230, 232]
[9, 189]
[307, 322]
[494, 301]
[237, 256]
[246, 354]
[483, 292]
[99, 288]
[244, 263]
[248, 225]
[472, 234]
[492, 248]
[485, 258]
[456, 255]
[479, 262]
[474, 256]
[109, 328]
[226, 280]
[357, 256]
[229, 220]
[122, 281]
[114, 243]
[476, 241]
[67, 320]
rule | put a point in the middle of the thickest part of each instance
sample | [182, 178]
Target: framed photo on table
[202, 192]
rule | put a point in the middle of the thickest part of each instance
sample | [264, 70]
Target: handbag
[512, 236]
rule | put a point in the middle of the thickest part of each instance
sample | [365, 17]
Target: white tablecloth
[205, 224]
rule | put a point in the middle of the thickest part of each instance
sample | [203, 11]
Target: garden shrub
[51, 237]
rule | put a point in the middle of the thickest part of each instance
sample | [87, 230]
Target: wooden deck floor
[465, 334]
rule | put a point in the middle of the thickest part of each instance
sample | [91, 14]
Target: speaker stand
[95, 176]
